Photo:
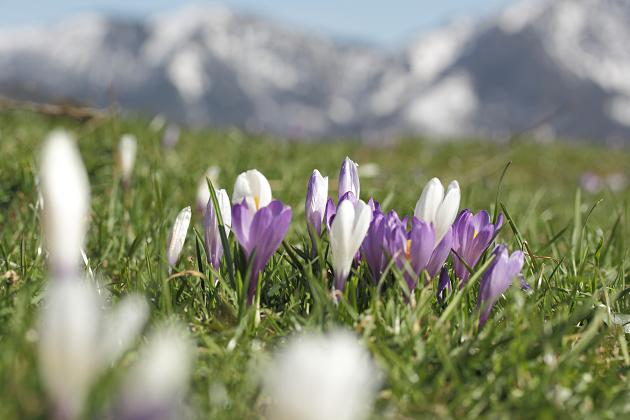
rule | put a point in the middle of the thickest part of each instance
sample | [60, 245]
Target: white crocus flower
[177, 237]
[437, 208]
[79, 340]
[203, 192]
[66, 198]
[321, 377]
[254, 188]
[127, 149]
[157, 383]
[347, 232]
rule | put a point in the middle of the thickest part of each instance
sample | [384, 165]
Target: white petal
[341, 239]
[322, 377]
[254, 187]
[226, 209]
[362, 219]
[447, 212]
[430, 199]
[177, 237]
[68, 347]
[66, 194]
[127, 149]
[121, 326]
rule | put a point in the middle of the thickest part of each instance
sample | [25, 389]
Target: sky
[384, 22]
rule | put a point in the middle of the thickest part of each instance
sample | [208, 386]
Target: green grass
[548, 354]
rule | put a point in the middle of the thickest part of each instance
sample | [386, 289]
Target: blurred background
[374, 70]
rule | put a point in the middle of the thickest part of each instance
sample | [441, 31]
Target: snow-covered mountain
[561, 67]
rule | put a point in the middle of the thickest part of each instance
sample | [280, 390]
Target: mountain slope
[557, 66]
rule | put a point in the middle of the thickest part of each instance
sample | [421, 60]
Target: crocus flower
[214, 247]
[315, 206]
[66, 199]
[497, 279]
[127, 149]
[254, 188]
[317, 377]
[437, 208]
[156, 385]
[78, 340]
[261, 233]
[412, 250]
[347, 232]
[349, 179]
[177, 237]
[203, 192]
[472, 235]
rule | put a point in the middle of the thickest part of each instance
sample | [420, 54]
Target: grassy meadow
[552, 352]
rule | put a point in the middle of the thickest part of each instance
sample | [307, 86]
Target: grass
[551, 353]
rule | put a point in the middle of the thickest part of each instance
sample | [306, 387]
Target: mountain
[557, 68]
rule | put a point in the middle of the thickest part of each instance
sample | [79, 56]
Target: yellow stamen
[257, 202]
[408, 249]
[475, 234]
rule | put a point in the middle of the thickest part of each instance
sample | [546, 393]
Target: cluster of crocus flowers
[418, 246]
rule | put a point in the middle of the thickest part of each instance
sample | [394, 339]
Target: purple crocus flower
[411, 250]
[261, 231]
[472, 235]
[349, 179]
[498, 278]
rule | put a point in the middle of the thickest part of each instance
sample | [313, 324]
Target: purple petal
[440, 253]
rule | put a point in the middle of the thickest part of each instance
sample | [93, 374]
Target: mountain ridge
[534, 64]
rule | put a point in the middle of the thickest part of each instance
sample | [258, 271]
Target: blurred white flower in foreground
[322, 377]
[177, 237]
[157, 383]
[254, 188]
[66, 198]
[79, 340]
[127, 149]
[203, 192]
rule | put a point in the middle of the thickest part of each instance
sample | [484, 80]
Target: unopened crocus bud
[253, 187]
[349, 179]
[203, 192]
[177, 237]
[214, 247]
[347, 232]
[319, 377]
[503, 270]
[315, 206]
[127, 149]
[66, 197]
[438, 208]
[78, 340]
[156, 385]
